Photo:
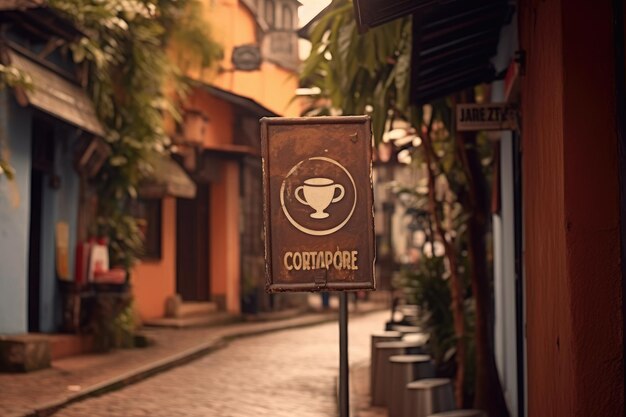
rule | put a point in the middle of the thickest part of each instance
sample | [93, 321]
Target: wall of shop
[505, 297]
[571, 210]
[224, 248]
[273, 86]
[14, 217]
[153, 281]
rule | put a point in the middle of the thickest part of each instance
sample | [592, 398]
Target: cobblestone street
[288, 373]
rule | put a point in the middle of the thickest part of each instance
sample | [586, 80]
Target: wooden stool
[388, 336]
[382, 373]
[405, 369]
[460, 413]
[428, 396]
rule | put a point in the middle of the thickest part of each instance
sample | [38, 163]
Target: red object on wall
[83, 249]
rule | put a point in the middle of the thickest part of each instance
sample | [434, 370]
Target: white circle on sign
[318, 193]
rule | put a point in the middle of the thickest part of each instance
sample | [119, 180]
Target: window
[269, 12]
[281, 43]
[148, 215]
[287, 18]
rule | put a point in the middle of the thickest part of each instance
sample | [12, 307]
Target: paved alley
[288, 373]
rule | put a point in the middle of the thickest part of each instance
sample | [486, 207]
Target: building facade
[212, 245]
[45, 130]
[559, 226]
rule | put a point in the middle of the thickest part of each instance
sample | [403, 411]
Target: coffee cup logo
[319, 193]
[317, 204]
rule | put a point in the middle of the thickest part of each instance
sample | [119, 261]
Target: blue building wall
[15, 125]
[58, 205]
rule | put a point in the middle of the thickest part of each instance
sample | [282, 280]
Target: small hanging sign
[487, 116]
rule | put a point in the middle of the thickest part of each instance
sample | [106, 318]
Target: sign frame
[321, 276]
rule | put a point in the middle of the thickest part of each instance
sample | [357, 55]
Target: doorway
[192, 246]
[42, 154]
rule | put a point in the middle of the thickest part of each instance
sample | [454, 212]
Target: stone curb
[178, 359]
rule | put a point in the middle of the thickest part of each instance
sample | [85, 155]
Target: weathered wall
[272, 86]
[219, 129]
[232, 24]
[571, 217]
[14, 218]
[224, 247]
[592, 207]
[154, 281]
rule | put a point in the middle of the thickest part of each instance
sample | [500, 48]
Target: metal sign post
[318, 212]
[344, 377]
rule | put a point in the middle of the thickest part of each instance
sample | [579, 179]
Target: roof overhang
[241, 102]
[56, 95]
[168, 180]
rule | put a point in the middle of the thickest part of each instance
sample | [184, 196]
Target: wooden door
[192, 246]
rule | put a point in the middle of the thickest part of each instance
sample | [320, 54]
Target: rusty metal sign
[319, 225]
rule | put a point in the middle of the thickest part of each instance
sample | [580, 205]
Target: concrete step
[194, 309]
[65, 345]
[213, 319]
[24, 352]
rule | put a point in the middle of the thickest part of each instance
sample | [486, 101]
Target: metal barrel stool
[409, 310]
[460, 413]
[405, 369]
[386, 336]
[382, 373]
[404, 329]
[429, 396]
[416, 337]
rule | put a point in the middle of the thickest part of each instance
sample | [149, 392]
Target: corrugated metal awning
[453, 44]
[168, 179]
[57, 96]
[453, 40]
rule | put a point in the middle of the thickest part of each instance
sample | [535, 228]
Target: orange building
[209, 249]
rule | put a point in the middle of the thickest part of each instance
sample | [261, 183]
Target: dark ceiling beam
[446, 16]
[484, 47]
[464, 61]
[454, 76]
[469, 25]
[428, 95]
[465, 40]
